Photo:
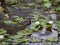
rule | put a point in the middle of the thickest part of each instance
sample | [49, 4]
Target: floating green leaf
[58, 25]
[10, 22]
[2, 31]
[58, 8]
[47, 5]
[42, 22]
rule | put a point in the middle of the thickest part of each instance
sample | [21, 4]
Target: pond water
[32, 11]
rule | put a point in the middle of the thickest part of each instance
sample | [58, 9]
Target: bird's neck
[30, 21]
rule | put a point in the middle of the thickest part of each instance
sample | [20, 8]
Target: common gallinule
[25, 23]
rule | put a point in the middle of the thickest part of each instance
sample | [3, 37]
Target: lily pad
[47, 5]
[43, 22]
[58, 25]
[2, 31]
[10, 22]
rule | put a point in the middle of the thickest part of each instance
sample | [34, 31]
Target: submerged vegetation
[21, 21]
